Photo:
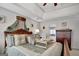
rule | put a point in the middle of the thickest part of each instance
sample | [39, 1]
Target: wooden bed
[19, 31]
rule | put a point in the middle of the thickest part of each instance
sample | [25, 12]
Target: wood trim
[20, 18]
[64, 30]
[19, 31]
[66, 48]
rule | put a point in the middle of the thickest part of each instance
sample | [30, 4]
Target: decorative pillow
[10, 41]
[22, 39]
[31, 39]
[19, 39]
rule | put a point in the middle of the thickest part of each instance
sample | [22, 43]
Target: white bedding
[54, 50]
[26, 49]
[20, 51]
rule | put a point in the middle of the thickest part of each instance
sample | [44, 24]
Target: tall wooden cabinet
[64, 34]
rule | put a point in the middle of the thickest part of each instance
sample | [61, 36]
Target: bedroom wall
[10, 18]
[30, 22]
[72, 23]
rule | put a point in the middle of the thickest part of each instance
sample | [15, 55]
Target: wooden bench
[66, 48]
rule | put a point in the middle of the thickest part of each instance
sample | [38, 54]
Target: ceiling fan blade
[44, 4]
[55, 4]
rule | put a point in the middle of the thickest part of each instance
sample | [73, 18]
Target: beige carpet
[74, 52]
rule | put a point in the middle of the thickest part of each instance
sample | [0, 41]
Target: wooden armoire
[61, 35]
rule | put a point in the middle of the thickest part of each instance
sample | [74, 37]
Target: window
[52, 31]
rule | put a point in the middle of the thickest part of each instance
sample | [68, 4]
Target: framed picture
[43, 27]
[64, 24]
[31, 25]
[2, 19]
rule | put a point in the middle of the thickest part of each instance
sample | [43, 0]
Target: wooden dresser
[64, 34]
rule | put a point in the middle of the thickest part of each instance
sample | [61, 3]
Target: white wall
[10, 18]
[29, 21]
[73, 23]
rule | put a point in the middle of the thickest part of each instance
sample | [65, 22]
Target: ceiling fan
[55, 4]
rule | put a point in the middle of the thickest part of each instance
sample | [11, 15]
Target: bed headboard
[17, 28]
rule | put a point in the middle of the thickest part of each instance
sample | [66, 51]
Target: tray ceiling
[38, 12]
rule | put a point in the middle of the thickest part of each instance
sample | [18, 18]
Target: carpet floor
[74, 52]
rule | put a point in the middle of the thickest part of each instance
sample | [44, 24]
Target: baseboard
[75, 48]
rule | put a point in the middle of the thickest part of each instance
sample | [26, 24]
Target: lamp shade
[36, 31]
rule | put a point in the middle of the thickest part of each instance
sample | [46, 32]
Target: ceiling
[40, 13]
[50, 6]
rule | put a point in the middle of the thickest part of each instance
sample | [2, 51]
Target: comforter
[23, 50]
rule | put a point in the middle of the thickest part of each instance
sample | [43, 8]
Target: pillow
[10, 41]
[19, 39]
[22, 39]
[31, 40]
